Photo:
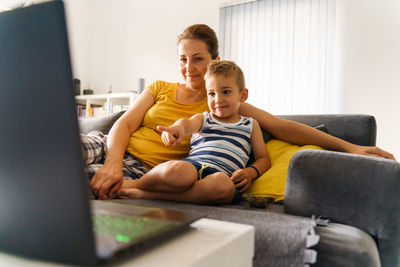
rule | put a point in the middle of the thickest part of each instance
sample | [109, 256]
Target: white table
[209, 243]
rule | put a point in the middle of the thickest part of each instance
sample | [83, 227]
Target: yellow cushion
[272, 182]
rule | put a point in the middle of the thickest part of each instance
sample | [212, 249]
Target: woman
[135, 135]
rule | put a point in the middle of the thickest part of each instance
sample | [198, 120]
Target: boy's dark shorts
[204, 170]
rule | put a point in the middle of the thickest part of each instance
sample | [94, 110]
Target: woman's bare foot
[129, 184]
[126, 193]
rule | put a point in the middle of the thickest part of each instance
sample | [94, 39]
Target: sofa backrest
[102, 124]
[357, 129]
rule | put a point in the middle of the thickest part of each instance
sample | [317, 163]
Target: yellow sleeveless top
[146, 144]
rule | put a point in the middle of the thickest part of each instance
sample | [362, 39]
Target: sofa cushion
[271, 184]
[339, 244]
[280, 239]
[344, 245]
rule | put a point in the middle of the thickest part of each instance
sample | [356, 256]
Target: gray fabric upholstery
[102, 124]
[340, 245]
[357, 129]
[373, 216]
[351, 189]
[344, 245]
[280, 239]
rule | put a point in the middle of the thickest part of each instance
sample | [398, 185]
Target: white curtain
[286, 51]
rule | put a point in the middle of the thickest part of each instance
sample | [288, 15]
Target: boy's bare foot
[126, 193]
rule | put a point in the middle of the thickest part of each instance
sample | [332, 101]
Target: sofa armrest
[351, 189]
[358, 129]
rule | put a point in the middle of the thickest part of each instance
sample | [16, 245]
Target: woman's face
[193, 60]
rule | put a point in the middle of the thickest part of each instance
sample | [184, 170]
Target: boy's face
[224, 97]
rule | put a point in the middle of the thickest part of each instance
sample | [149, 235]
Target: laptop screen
[44, 207]
[43, 196]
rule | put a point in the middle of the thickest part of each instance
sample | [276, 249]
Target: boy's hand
[242, 179]
[171, 135]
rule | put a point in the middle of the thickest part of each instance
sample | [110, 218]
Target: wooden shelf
[108, 102]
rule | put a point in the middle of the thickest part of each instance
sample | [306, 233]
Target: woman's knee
[93, 147]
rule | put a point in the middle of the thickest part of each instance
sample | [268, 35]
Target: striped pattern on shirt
[224, 146]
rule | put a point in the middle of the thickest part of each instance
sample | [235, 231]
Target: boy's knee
[224, 189]
[171, 169]
[183, 174]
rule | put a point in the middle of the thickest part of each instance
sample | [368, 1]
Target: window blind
[286, 51]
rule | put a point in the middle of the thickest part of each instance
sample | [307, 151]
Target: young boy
[221, 146]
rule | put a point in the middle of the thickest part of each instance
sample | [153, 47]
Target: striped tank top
[224, 146]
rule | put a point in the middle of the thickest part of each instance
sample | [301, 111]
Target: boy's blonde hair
[227, 69]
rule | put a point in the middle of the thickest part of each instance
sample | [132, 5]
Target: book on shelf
[112, 108]
[99, 110]
[93, 111]
[118, 108]
[81, 110]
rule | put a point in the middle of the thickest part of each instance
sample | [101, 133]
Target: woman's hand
[370, 151]
[107, 180]
[242, 179]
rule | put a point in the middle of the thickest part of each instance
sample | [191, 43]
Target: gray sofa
[350, 201]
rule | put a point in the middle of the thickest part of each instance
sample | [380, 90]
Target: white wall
[116, 42]
[368, 38]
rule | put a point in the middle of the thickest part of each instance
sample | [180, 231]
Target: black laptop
[44, 208]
